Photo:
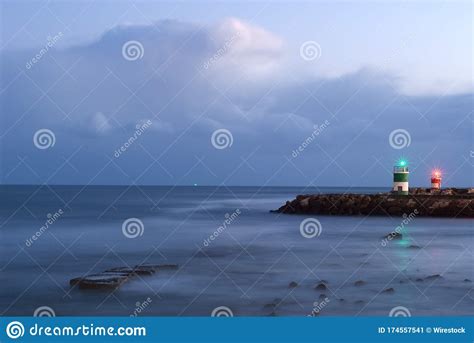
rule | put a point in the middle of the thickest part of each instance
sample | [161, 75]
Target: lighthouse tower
[436, 179]
[400, 178]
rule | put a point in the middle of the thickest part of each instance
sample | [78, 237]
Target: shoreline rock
[451, 202]
[115, 277]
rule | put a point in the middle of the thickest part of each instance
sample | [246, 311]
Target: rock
[322, 296]
[342, 300]
[389, 290]
[419, 280]
[293, 284]
[167, 266]
[272, 314]
[433, 277]
[359, 283]
[414, 247]
[138, 270]
[321, 287]
[467, 280]
[115, 277]
[99, 281]
[449, 202]
[393, 235]
[304, 203]
[394, 210]
[269, 306]
[359, 302]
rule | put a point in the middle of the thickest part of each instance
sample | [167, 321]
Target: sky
[235, 93]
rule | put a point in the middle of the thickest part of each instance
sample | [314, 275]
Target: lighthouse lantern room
[400, 178]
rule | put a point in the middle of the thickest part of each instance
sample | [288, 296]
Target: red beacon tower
[436, 179]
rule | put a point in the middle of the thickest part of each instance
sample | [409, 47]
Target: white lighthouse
[400, 178]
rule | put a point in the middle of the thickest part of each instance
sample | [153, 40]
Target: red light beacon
[436, 179]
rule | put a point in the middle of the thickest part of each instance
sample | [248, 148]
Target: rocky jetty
[449, 202]
[115, 277]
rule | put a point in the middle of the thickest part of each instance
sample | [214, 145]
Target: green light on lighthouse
[400, 177]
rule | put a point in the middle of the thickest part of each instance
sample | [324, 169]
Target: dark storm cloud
[191, 80]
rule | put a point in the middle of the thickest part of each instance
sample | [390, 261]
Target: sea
[234, 256]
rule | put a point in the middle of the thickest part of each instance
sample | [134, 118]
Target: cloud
[191, 80]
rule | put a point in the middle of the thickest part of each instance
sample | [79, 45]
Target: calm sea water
[247, 267]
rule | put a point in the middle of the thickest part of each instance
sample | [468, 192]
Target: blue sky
[207, 66]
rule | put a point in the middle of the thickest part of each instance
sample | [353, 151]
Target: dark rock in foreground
[100, 281]
[321, 287]
[451, 202]
[389, 290]
[293, 284]
[115, 277]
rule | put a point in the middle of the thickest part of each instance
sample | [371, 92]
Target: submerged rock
[321, 287]
[389, 290]
[433, 277]
[293, 284]
[115, 277]
[99, 281]
[359, 283]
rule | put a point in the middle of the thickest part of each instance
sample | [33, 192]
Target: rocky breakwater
[449, 202]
